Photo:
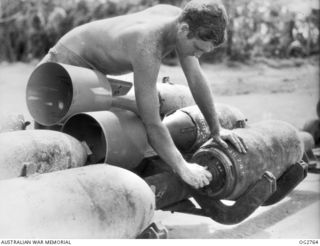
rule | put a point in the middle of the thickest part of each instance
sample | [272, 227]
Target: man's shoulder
[165, 9]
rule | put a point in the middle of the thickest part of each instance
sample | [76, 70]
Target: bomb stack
[92, 173]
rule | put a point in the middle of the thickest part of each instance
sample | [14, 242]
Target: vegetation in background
[29, 28]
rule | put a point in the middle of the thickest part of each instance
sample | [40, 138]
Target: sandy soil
[267, 89]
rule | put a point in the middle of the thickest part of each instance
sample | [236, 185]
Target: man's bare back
[109, 44]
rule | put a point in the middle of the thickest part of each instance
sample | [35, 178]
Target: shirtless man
[137, 42]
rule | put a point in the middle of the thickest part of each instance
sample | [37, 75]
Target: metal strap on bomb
[232, 119]
[266, 191]
[243, 207]
[202, 129]
[287, 182]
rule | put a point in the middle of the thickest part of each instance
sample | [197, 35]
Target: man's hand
[195, 175]
[233, 138]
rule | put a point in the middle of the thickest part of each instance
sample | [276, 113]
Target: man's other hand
[195, 175]
[233, 138]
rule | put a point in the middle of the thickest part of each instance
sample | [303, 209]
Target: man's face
[192, 46]
[200, 47]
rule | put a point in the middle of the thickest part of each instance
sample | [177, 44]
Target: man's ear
[184, 28]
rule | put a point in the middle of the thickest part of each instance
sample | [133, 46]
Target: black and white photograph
[159, 119]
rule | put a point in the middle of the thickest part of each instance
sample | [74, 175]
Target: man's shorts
[61, 54]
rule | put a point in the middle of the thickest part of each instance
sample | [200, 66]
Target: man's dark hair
[207, 20]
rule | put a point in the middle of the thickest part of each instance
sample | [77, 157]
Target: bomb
[56, 91]
[25, 151]
[270, 169]
[307, 140]
[189, 129]
[97, 201]
[173, 97]
[116, 137]
[12, 122]
[272, 146]
[313, 127]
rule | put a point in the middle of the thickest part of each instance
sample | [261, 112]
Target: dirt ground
[264, 89]
[285, 90]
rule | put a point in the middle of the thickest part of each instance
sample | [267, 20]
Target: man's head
[207, 20]
[204, 20]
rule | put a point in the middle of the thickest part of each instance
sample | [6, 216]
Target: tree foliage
[29, 28]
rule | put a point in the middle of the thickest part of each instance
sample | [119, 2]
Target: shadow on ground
[294, 203]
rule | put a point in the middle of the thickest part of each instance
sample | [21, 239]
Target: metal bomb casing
[38, 151]
[313, 127]
[272, 146]
[307, 140]
[55, 91]
[173, 97]
[116, 137]
[189, 129]
[96, 201]
[12, 122]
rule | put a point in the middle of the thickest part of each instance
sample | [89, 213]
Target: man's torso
[108, 44]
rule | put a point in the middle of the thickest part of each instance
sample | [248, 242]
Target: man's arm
[146, 68]
[202, 95]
